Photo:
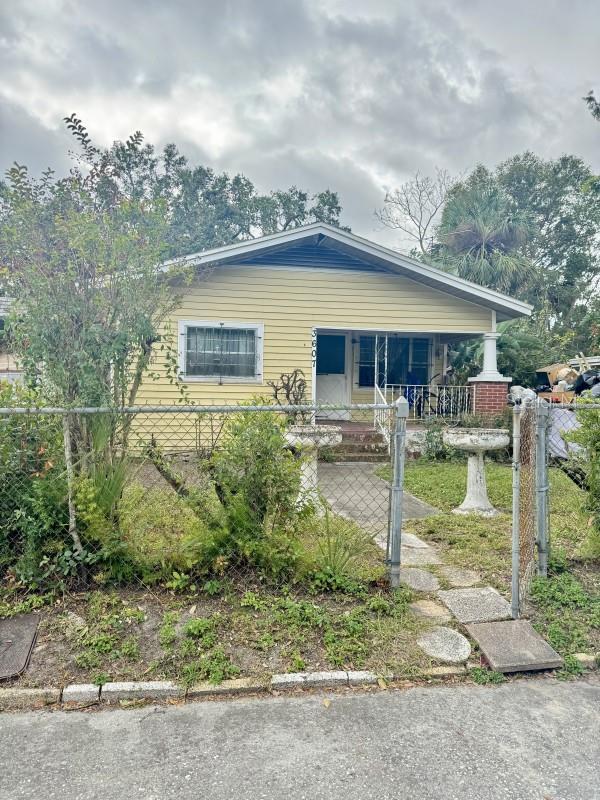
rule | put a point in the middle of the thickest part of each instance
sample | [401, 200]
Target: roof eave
[506, 307]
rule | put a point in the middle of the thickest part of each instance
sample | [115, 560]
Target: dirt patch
[245, 630]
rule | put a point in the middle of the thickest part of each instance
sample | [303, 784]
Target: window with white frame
[218, 351]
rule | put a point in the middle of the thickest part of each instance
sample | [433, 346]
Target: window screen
[331, 355]
[366, 361]
[420, 361]
[221, 352]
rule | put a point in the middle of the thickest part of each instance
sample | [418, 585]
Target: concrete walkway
[355, 491]
[524, 740]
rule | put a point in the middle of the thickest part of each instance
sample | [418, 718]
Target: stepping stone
[445, 644]
[430, 610]
[459, 577]
[514, 646]
[410, 540]
[476, 605]
[419, 557]
[419, 579]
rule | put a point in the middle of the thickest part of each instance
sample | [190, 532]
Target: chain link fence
[544, 434]
[149, 495]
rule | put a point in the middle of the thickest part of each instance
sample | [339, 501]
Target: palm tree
[481, 235]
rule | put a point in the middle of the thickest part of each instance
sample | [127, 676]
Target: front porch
[375, 367]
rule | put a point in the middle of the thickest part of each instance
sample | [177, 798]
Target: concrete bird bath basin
[308, 439]
[476, 441]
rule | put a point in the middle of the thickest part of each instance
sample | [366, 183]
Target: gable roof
[324, 245]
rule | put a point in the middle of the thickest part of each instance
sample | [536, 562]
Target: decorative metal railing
[425, 401]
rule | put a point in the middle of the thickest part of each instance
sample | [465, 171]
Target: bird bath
[475, 441]
[307, 439]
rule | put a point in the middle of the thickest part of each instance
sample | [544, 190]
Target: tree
[593, 105]
[482, 234]
[563, 246]
[413, 208]
[202, 209]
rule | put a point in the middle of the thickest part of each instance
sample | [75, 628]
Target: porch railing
[447, 402]
[382, 416]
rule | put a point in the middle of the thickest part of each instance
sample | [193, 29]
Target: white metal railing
[382, 416]
[447, 402]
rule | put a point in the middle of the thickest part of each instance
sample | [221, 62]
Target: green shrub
[256, 476]
[257, 481]
[33, 507]
[588, 437]
[160, 532]
[339, 552]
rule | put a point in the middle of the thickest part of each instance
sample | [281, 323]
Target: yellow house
[363, 322]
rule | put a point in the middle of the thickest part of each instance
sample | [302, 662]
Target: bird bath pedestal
[475, 441]
[307, 439]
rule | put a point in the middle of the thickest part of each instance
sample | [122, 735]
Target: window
[331, 354]
[225, 351]
[407, 360]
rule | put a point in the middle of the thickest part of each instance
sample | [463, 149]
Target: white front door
[332, 379]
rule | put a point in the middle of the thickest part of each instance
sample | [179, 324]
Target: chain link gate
[530, 510]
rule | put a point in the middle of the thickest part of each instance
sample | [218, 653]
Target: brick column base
[489, 398]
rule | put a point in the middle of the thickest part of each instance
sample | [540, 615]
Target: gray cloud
[342, 94]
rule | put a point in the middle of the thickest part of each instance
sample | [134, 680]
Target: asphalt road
[536, 739]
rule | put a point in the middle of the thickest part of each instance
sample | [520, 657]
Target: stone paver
[445, 644]
[419, 579]
[81, 693]
[460, 578]
[419, 557]
[410, 540]
[476, 605]
[429, 609]
[514, 646]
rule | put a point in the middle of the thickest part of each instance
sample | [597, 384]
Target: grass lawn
[566, 607]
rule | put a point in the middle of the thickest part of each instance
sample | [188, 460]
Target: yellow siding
[291, 302]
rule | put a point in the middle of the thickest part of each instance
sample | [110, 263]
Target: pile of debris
[561, 383]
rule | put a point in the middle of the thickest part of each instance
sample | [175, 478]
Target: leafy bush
[257, 481]
[160, 532]
[33, 509]
[588, 436]
[435, 448]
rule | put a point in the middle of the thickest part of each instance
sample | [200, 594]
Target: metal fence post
[516, 508]
[542, 486]
[397, 491]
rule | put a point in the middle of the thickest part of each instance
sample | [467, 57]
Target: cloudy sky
[345, 94]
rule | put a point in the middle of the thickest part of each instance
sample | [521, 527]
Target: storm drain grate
[17, 637]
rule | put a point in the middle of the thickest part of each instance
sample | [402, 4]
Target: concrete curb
[81, 693]
[15, 699]
[140, 690]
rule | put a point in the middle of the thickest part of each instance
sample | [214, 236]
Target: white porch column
[490, 359]
[489, 387]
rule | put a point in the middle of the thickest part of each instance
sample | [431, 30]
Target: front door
[332, 377]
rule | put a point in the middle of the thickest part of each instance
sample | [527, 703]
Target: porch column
[490, 388]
